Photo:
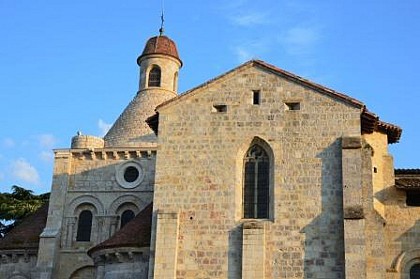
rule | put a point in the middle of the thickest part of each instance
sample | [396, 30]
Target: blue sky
[71, 65]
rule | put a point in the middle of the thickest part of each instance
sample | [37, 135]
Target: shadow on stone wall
[324, 245]
[410, 254]
[235, 253]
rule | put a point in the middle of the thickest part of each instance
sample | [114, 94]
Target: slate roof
[136, 233]
[160, 45]
[407, 179]
[26, 234]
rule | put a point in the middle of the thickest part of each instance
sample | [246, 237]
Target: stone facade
[304, 232]
[257, 173]
[88, 180]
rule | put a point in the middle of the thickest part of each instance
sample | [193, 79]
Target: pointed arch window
[256, 186]
[126, 217]
[154, 76]
[84, 226]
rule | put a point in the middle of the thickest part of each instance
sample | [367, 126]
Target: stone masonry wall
[402, 233]
[382, 167]
[199, 176]
[91, 180]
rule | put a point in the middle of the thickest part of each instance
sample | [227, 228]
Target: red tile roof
[136, 233]
[160, 45]
[26, 234]
[407, 179]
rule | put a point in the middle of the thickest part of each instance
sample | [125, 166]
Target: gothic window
[84, 226]
[154, 76]
[256, 183]
[415, 271]
[126, 217]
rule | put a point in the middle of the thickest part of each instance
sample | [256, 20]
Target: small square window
[256, 97]
[292, 106]
[219, 108]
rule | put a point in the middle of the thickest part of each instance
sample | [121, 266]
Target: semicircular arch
[405, 261]
[86, 199]
[84, 272]
[127, 199]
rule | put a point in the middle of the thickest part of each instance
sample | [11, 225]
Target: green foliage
[17, 205]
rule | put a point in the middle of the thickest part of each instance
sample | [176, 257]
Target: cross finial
[161, 29]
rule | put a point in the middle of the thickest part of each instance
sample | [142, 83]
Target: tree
[17, 205]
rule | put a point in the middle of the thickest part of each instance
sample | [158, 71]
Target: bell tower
[159, 65]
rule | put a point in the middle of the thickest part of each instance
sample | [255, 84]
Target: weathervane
[161, 30]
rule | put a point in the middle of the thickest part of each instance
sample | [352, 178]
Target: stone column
[253, 250]
[69, 224]
[113, 225]
[353, 207]
[167, 229]
[101, 232]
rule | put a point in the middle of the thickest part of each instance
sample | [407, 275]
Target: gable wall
[199, 176]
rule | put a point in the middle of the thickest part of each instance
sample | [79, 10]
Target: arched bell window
[126, 217]
[84, 226]
[256, 183]
[154, 76]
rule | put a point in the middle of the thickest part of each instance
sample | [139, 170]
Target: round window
[129, 174]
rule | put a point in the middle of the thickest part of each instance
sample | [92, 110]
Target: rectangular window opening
[219, 108]
[256, 97]
[413, 198]
[293, 106]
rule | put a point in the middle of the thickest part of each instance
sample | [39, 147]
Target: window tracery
[256, 183]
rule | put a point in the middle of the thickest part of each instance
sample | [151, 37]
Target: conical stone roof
[131, 129]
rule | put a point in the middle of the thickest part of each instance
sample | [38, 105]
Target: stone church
[256, 173]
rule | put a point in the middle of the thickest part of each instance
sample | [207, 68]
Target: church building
[256, 173]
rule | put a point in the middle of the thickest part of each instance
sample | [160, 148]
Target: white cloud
[244, 13]
[47, 140]
[251, 50]
[8, 143]
[242, 54]
[103, 127]
[46, 156]
[249, 19]
[23, 170]
[234, 4]
[300, 40]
